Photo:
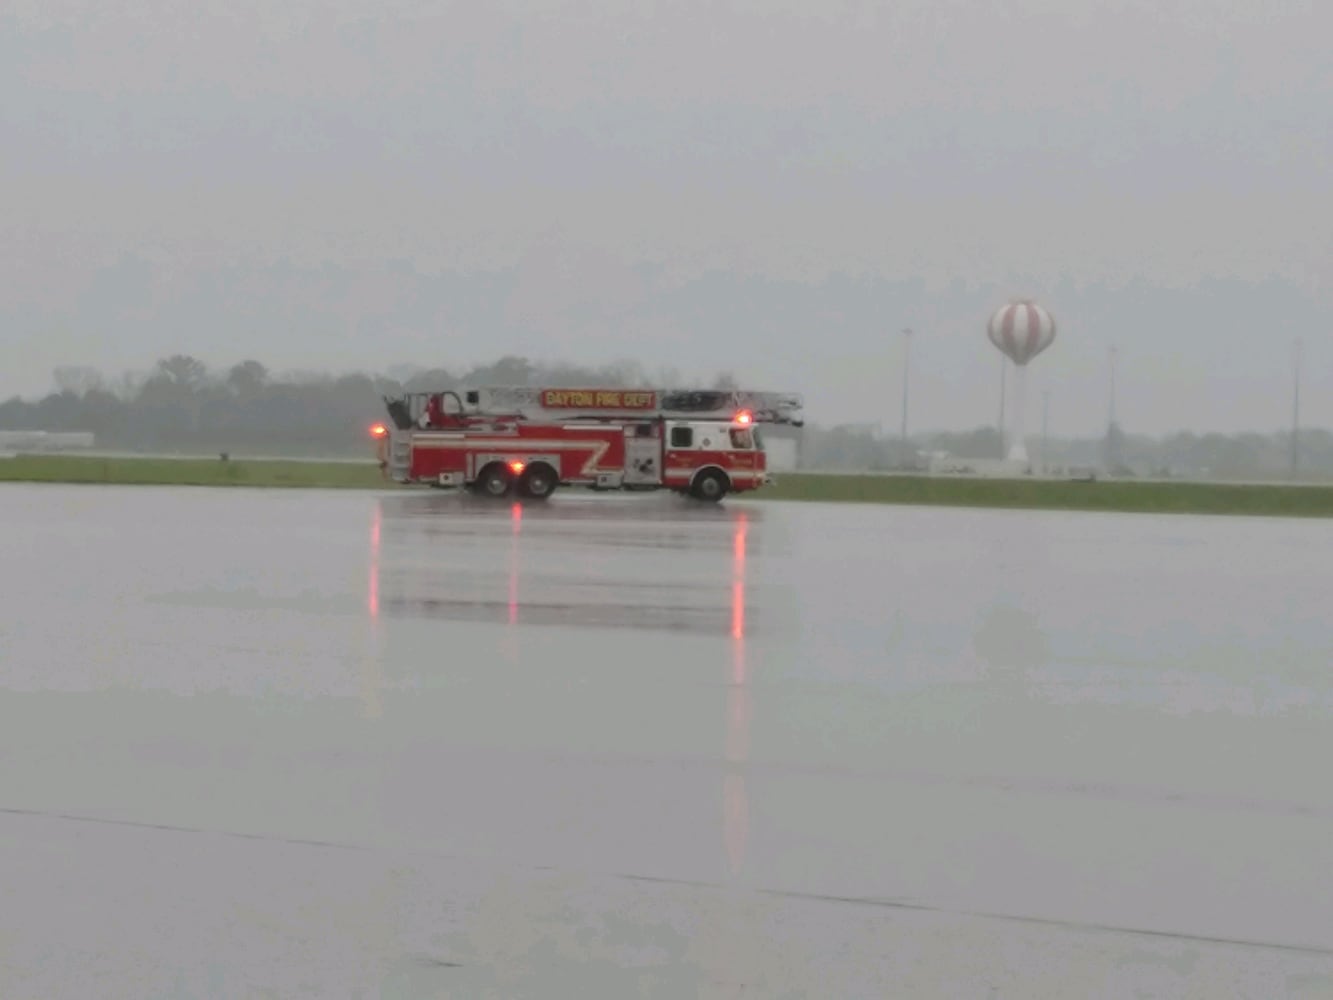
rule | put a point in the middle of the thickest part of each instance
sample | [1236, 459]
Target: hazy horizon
[771, 190]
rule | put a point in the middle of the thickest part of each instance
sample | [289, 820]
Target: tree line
[183, 405]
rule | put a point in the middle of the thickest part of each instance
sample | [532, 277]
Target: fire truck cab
[504, 441]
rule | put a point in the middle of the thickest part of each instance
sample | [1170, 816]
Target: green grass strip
[1036, 494]
[1051, 494]
[189, 472]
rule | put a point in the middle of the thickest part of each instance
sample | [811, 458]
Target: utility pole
[1110, 414]
[907, 354]
[1296, 411]
[1045, 437]
[1112, 450]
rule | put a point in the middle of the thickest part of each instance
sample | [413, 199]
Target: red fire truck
[501, 440]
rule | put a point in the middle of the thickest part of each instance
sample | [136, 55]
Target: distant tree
[512, 371]
[128, 385]
[509, 370]
[183, 370]
[247, 378]
[431, 381]
[77, 380]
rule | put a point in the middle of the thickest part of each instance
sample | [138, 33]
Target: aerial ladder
[550, 404]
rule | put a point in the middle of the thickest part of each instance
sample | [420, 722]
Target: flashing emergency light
[516, 466]
[379, 430]
[744, 417]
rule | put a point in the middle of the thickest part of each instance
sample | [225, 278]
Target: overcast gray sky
[771, 187]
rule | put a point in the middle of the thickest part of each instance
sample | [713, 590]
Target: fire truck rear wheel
[538, 482]
[495, 481]
[710, 485]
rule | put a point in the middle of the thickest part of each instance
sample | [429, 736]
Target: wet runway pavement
[267, 743]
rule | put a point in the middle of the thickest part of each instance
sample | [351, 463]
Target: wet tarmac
[272, 743]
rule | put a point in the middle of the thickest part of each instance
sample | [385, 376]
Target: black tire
[495, 481]
[539, 482]
[710, 485]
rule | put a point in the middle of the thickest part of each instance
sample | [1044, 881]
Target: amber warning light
[379, 430]
[744, 417]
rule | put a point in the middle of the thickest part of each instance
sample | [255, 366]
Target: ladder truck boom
[559, 404]
[698, 404]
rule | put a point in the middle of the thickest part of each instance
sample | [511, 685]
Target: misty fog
[773, 189]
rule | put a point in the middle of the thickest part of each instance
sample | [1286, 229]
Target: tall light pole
[907, 354]
[1296, 410]
[1110, 412]
[1111, 452]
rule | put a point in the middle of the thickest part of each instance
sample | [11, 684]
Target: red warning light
[744, 417]
[516, 466]
[379, 430]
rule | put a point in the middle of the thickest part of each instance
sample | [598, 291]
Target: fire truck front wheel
[710, 484]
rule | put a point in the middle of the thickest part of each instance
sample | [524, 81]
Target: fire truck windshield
[742, 438]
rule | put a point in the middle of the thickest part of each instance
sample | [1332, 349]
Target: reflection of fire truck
[528, 441]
